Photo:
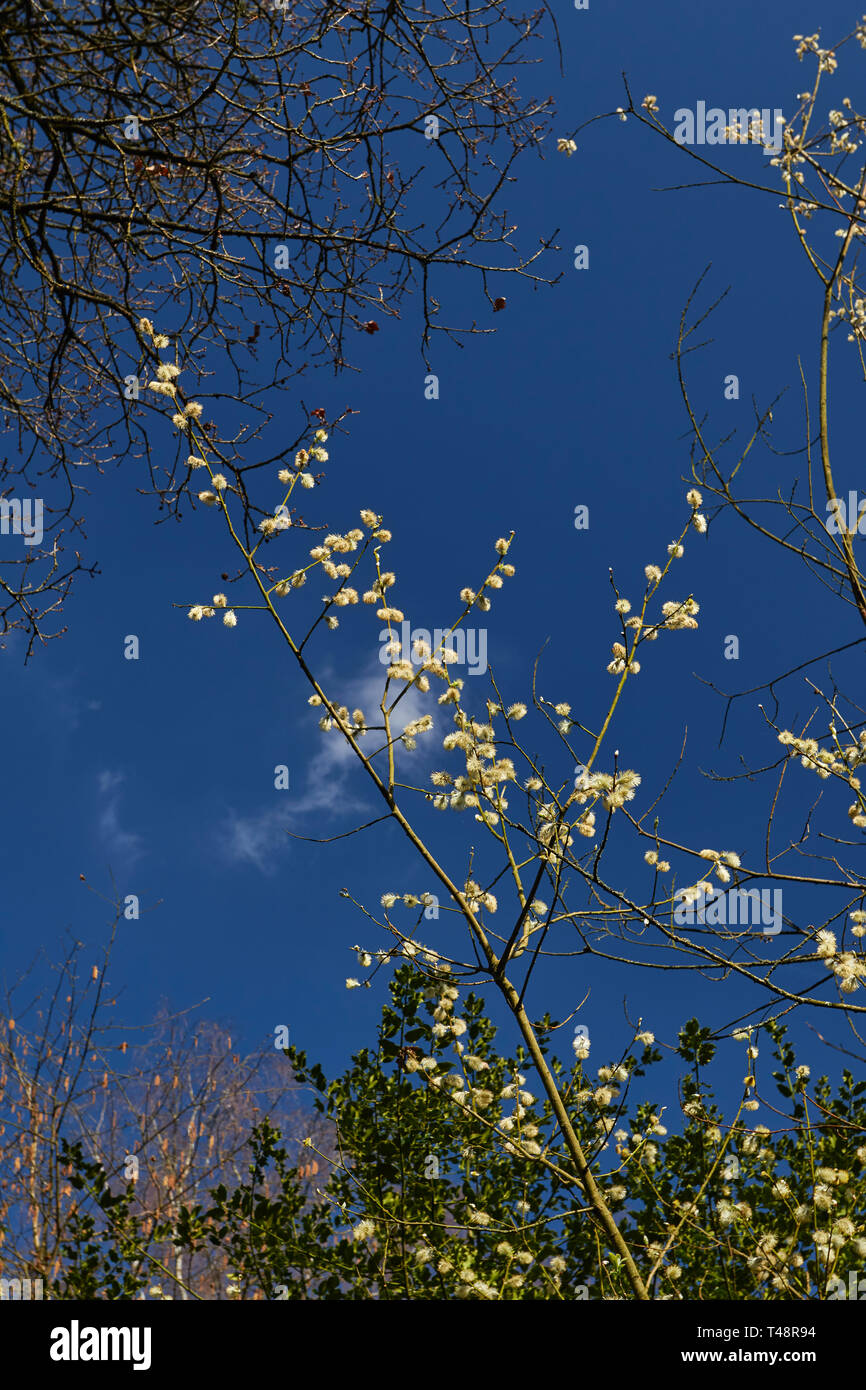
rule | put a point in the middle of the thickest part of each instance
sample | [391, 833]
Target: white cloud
[258, 839]
[124, 845]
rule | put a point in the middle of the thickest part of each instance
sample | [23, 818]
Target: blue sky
[160, 771]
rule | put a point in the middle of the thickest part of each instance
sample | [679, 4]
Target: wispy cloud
[325, 792]
[60, 695]
[122, 844]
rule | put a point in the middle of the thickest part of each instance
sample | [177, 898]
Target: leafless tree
[268, 180]
[169, 1106]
